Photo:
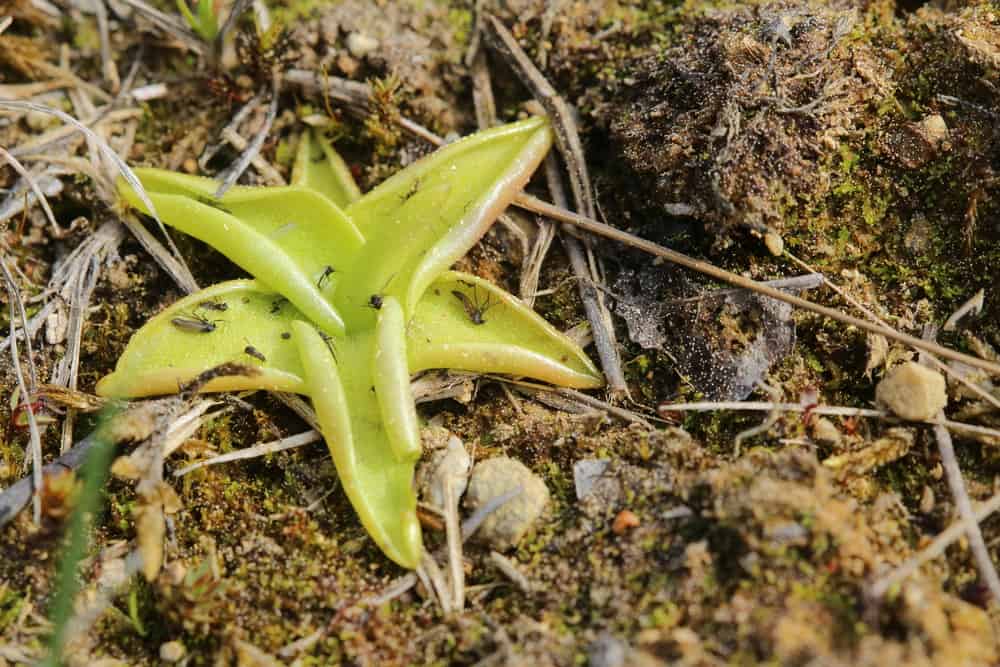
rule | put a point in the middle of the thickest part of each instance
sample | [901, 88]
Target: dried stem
[931, 359]
[987, 572]
[236, 170]
[936, 548]
[593, 226]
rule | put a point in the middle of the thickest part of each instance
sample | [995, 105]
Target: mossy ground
[807, 117]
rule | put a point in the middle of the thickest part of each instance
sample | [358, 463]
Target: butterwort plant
[351, 296]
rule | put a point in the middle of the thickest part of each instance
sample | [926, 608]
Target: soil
[862, 133]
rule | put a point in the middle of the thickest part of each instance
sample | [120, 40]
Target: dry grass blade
[260, 449]
[543, 241]
[17, 308]
[37, 191]
[108, 68]
[74, 281]
[239, 8]
[567, 137]
[933, 550]
[168, 24]
[830, 410]
[601, 229]
[987, 571]
[236, 170]
[180, 272]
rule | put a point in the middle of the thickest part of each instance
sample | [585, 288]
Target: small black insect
[411, 191]
[195, 324]
[327, 272]
[329, 344]
[277, 304]
[375, 301]
[285, 335]
[474, 307]
[255, 353]
[212, 304]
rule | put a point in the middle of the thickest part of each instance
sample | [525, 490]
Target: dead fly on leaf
[410, 192]
[277, 304]
[195, 324]
[327, 272]
[212, 304]
[255, 353]
[474, 307]
[329, 344]
[375, 300]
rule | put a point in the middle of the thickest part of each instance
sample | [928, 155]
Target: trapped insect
[212, 304]
[255, 353]
[474, 307]
[327, 272]
[195, 324]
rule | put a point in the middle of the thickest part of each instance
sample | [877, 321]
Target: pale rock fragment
[913, 392]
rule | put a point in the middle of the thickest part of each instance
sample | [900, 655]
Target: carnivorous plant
[353, 294]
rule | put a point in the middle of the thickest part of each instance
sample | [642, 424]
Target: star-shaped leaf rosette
[352, 295]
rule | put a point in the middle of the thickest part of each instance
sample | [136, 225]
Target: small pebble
[172, 651]
[607, 651]
[586, 473]
[625, 520]
[360, 44]
[775, 244]
[935, 129]
[495, 477]
[825, 431]
[912, 391]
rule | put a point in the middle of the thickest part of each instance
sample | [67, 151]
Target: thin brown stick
[593, 226]
[567, 138]
[936, 548]
[934, 361]
[987, 571]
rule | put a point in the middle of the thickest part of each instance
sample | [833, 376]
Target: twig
[183, 275]
[593, 226]
[571, 149]
[510, 571]
[37, 191]
[931, 359]
[987, 572]
[567, 138]
[238, 167]
[260, 449]
[16, 306]
[764, 427]
[169, 24]
[936, 548]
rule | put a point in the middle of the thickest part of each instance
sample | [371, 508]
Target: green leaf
[162, 355]
[378, 483]
[287, 237]
[420, 221]
[320, 168]
[511, 338]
